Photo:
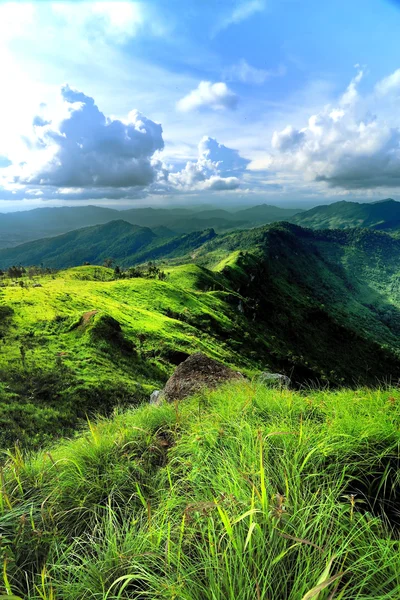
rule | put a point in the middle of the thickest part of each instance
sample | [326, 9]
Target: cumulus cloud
[353, 145]
[213, 96]
[351, 94]
[82, 154]
[87, 149]
[216, 168]
[288, 139]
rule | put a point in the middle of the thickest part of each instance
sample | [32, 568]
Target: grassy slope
[316, 305]
[242, 493]
[322, 305]
[74, 360]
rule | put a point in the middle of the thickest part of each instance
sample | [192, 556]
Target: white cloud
[246, 73]
[115, 20]
[287, 139]
[227, 160]
[84, 148]
[389, 84]
[79, 153]
[351, 94]
[213, 96]
[217, 168]
[242, 11]
[355, 145]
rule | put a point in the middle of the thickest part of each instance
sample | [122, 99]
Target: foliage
[383, 215]
[81, 342]
[245, 492]
[24, 226]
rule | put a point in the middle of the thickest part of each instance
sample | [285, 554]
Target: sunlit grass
[242, 493]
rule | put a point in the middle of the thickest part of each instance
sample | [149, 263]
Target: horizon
[153, 104]
[195, 206]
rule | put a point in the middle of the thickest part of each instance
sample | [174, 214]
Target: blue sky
[188, 101]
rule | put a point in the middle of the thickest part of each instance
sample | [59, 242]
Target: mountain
[19, 227]
[317, 304]
[265, 213]
[382, 215]
[327, 302]
[125, 243]
[90, 244]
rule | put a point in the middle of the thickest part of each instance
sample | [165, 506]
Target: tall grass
[243, 493]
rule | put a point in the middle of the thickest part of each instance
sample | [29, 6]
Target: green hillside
[118, 240]
[243, 493]
[25, 226]
[321, 307]
[382, 215]
[224, 494]
[80, 342]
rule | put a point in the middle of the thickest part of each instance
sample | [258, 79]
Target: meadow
[80, 342]
[241, 493]
[245, 492]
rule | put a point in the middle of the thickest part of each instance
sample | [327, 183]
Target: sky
[198, 101]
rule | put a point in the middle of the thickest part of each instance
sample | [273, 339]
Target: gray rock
[156, 396]
[195, 373]
[276, 380]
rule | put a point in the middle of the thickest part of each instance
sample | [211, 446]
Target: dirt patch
[85, 318]
[196, 372]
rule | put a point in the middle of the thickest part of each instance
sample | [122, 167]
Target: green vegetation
[83, 341]
[321, 307]
[116, 241]
[242, 493]
[25, 226]
[383, 215]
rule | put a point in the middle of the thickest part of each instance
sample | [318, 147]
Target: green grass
[238, 494]
[61, 357]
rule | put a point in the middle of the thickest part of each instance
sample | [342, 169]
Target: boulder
[156, 396]
[274, 380]
[197, 372]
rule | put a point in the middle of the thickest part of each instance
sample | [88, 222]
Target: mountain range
[382, 215]
[124, 243]
[322, 304]
[19, 227]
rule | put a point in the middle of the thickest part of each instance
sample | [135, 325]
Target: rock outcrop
[196, 372]
[276, 380]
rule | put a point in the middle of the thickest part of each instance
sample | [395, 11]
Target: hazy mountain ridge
[19, 227]
[382, 215]
[123, 242]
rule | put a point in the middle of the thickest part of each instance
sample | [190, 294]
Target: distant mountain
[265, 213]
[127, 244]
[19, 227]
[24, 226]
[382, 215]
